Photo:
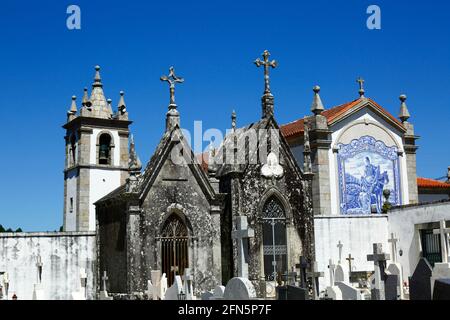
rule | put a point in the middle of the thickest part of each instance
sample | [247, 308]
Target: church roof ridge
[296, 127]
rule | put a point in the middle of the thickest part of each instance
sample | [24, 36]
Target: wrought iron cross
[266, 63]
[361, 86]
[350, 259]
[172, 79]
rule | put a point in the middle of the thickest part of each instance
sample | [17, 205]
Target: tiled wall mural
[366, 167]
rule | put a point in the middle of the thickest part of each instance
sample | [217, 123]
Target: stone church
[302, 187]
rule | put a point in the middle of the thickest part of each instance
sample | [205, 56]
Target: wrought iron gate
[174, 247]
[431, 246]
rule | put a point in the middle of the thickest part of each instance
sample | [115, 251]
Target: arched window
[174, 247]
[274, 239]
[104, 151]
[73, 149]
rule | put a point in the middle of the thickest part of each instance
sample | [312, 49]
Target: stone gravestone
[219, 291]
[155, 282]
[239, 289]
[348, 291]
[441, 270]
[339, 274]
[162, 286]
[187, 284]
[314, 275]
[104, 292]
[150, 290]
[441, 289]
[303, 267]
[292, 293]
[419, 283]
[391, 287]
[207, 295]
[333, 292]
[395, 268]
[241, 235]
[379, 260]
[176, 290]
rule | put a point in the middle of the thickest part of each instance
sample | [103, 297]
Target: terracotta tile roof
[427, 183]
[296, 128]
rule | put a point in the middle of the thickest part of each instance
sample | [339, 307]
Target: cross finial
[233, 120]
[361, 86]
[172, 79]
[266, 63]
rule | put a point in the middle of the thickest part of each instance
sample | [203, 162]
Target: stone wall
[407, 221]
[62, 254]
[356, 233]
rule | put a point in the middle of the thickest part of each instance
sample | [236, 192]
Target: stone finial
[85, 101]
[109, 102]
[97, 78]
[122, 107]
[73, 107]
[317, 106]
[404, 113]
[212, 166]
[361, 87]
[233, 120]
[448, 174]
[134, 161]
[72, 113]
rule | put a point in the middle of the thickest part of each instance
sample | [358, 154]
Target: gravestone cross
[241, 235]
[104, 279]
[174, 269]
[303, 267]
[379, 260]
[393, 242]
[314, 275]
[39, 265]
[340, 245]
[443, 232]
[350, 259]
[331, 266]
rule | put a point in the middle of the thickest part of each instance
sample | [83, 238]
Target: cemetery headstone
[333, 292]
[395, 267]
[207, 295]
[314, 275]
[241, 235]
[219, 291]
[187, 284]
[348, 291]
[441, 270]
[176, 290]
[303, 267]
[441, 289]
[379, 260]
[292, 293]
[239, 289]
[419, 282]
[104, 292]
[391, 287]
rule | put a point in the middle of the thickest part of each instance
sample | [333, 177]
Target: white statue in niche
[272, 168]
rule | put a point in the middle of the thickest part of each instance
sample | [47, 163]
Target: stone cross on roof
[393, 241]
[267, 64]
[242, 233]
[443, 232]
[172, 79]
[361, 86]
[340, 245]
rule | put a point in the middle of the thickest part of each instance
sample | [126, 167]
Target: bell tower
[96, 154]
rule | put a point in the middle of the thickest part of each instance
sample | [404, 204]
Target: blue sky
[212, 45]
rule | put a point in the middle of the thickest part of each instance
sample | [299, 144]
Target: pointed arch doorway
[174, 247]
